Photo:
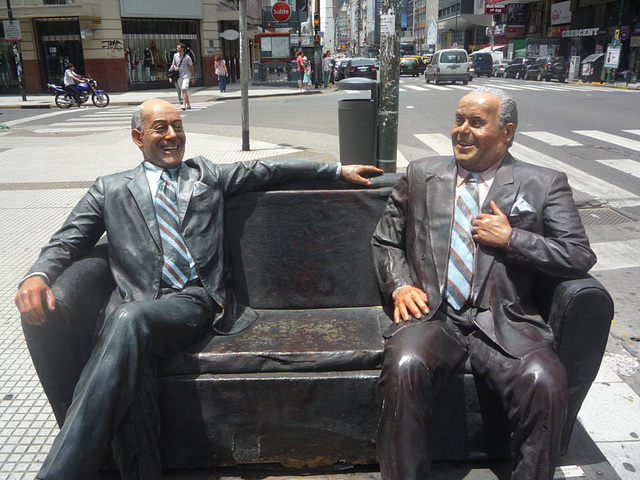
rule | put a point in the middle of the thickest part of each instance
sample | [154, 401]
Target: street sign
[612, 59]
[495, 9]
[281, 11]
[12, 31]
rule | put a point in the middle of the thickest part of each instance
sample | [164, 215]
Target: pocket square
[199, 188]
[521, 206]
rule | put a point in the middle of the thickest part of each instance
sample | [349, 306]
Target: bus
[407, 48]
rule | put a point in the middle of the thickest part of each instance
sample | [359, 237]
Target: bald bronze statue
[456, 252]
[161, 305]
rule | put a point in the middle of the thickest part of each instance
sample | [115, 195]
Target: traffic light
[316, 40]
[316, 22]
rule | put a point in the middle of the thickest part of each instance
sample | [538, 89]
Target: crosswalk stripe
[617, 254]
[635, 132]
[96, 120]
[623, 165]
[462, 87]
[80, 129]
[578, 179]
[92, 123]
[416, 87]
[552, 139]
[438, 142]
[609, 138]
[436, 87]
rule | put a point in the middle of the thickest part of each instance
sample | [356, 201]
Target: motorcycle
[85, 88]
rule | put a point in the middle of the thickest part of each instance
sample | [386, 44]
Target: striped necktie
[461, 256]
[176, 268]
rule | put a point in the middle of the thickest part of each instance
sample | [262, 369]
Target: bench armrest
[61, 346]
[580, 312]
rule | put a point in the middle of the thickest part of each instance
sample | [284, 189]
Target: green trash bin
[358, 123]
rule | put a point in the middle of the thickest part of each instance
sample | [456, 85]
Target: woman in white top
[221, 70]
[183, 63]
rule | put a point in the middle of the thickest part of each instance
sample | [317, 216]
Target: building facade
[124, 44]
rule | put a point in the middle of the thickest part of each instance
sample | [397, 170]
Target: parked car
[481, 63]
[361, 67]
[448, 65]
[341, 63]
[409, 66]
[497, 69]
[548, 68]
[517, 67]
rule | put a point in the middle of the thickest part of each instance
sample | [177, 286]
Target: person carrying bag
[221, 71]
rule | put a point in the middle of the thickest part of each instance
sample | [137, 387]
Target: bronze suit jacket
[410, 245]
[122, 206]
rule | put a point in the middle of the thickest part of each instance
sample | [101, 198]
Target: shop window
[55, 2]
[151, 43]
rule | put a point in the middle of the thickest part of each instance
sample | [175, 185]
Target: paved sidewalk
[36, 194]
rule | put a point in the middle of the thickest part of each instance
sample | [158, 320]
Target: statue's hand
[34, 300]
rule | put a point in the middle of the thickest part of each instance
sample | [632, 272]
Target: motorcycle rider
[71, 78]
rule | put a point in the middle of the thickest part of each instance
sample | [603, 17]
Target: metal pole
[19, 67]
[244, 74]
[389, 84]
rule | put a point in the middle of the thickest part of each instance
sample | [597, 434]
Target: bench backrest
[305, 245]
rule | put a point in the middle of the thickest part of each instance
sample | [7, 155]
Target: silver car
[449, 65]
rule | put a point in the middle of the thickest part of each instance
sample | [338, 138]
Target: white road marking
[552, 139]
[625, 165]
[37, 117]
[609, 138]
[437, 142]
[579, 179]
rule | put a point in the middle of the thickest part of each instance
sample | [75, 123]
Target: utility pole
[18, 52]
[390, 32]
[244, 74]
[317, 48]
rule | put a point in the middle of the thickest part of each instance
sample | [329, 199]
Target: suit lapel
[503, 191]
[187, 178]
[139, 188]
[440, 203]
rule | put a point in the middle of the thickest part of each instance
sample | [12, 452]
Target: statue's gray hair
[136, 119]
[508, 108]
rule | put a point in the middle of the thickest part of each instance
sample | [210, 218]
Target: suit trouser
[419, 360]
[115, 398]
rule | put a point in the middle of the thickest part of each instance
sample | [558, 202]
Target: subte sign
[281, 11]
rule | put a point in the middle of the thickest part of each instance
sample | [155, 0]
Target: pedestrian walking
[300, 58]
[327, 65]
[183, 63]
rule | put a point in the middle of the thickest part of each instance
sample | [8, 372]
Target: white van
[448, 65]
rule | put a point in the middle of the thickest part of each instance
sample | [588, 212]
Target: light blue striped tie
[176, 268]
[461, 257]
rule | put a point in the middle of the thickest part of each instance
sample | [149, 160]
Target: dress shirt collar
[486, 176]
[153, 173]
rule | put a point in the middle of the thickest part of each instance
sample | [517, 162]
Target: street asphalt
[36, 199]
